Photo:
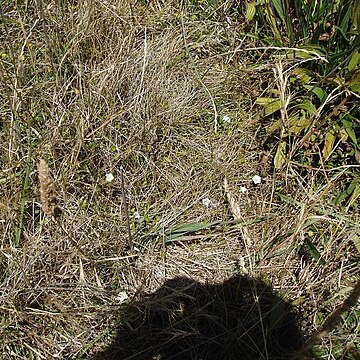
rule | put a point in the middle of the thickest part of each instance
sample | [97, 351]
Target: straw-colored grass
[99, 86]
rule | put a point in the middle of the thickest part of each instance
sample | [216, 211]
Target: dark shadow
[241, 318]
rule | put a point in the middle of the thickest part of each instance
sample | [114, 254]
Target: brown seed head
[46, 188]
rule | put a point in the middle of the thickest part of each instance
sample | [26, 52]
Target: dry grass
[95, 86]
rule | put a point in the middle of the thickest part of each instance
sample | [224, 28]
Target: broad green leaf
[328, 144]
[304, 75]
[174, 237]
[298, 54]
[280, 156]
[354, 60]
[271, 105]
[308, 106]
[314, 252]
[319, 92]
[250, 11]
[343, 195]
[348, 126]
[355, 87]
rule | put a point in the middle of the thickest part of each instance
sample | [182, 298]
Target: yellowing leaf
[264, 100]
[250, 11]
[272, 107]
[354, 60]
[297, 125]
[354, 83]
[356, 240]
[342, 135]
[328, 144]
[276, 125]
[304, 75]
[280, 156]
[354, 195]
[355, 17]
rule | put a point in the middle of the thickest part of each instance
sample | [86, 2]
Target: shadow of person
[241, 318]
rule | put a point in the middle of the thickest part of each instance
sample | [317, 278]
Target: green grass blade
[314, 252]
[177, 232]
[279, 9]
[191, 227]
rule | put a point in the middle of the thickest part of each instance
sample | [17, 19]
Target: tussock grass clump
[163, 94]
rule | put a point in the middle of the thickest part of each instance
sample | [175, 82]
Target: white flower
[137, 215]
[226, 119]
[206, 202]
[243, 189]
[122, 296]
[256, 179]
[109, 177]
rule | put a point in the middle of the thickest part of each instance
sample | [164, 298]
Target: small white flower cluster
[206, 202]
[256, 179]
[109, 177]
[226, 119]
[243, 189]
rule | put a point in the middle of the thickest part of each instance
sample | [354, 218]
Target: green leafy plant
[317, 97]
